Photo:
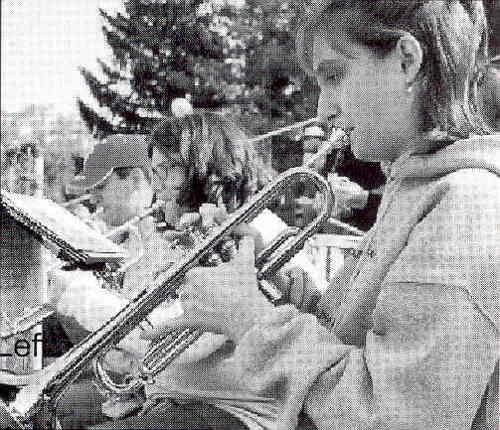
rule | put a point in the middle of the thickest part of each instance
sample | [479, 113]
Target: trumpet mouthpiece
[340, 137]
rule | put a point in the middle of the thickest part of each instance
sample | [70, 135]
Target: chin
[361, 152]
[365, 148]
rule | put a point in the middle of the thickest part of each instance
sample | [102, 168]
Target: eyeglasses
[161, 171]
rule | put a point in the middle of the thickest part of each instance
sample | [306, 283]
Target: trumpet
[36, 402]
[283, 130]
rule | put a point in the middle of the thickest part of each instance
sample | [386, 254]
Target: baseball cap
[117, 150]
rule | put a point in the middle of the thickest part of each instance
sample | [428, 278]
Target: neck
[418, 144]
[427, 143]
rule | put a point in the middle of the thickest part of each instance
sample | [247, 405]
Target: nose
[157, 184]
[329, 109]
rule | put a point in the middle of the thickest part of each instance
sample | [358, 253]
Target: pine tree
[264, 32]
[272, 65]
[162, 49]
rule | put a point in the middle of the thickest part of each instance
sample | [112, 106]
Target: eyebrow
[326, 65]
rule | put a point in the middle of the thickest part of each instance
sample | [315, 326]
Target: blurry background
[74, 72]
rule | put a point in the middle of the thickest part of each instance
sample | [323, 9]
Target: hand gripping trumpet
[35, 403]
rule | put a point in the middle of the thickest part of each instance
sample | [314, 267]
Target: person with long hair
[409, 338]
[202, 158]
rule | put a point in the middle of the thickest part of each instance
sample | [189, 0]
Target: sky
[43, 42]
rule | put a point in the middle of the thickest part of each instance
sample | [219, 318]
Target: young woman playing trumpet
[409, 339]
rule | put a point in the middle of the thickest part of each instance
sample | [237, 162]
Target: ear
[410, 56]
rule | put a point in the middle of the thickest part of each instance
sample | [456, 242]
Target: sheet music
[57, 227]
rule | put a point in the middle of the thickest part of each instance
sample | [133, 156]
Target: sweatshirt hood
[481, 152]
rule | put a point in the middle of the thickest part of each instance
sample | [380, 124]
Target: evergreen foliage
[158, 46]
[284, 91]
[267, 85]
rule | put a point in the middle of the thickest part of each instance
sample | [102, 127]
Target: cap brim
[88, 179]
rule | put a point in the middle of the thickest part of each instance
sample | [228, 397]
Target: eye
[333, 79]
[332, 73]
[336, 74]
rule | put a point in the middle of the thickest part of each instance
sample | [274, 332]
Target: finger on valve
[305, 292]
[189, 219]
[241, 262]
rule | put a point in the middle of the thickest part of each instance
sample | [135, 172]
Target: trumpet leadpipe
[283, 130]
[80, 199]
[339, 139]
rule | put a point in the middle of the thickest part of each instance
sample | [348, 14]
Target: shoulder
[469, 197]
[466, 194]
[450, 216]
[465, 179]
[461, 207]
[433, 184]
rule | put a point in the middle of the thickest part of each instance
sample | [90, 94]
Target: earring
[409, 89]
[335, 112]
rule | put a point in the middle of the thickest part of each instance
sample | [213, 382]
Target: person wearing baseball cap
[118, 175]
